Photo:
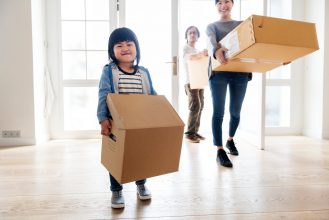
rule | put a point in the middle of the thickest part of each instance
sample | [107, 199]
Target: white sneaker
[143, 192]
[117, 200]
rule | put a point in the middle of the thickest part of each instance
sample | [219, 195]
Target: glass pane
[280, 8]
[97, 10]
[97, 35]
[277, 106]
[282, 72]
[73, 10]
[80, 105]
[204, 9]
[249, 7]
[73, 35]
[95, 62]
[74, 65]
[155, 48]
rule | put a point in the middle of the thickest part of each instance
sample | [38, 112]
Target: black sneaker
[223, 159]
[231, 146]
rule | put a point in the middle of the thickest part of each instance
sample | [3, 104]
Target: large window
[279, 81]
[85, 29]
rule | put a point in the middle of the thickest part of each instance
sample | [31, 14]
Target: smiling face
[125, 51]
[123, 47]
[224, 8]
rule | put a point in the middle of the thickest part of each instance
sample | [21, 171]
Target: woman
[219, 81]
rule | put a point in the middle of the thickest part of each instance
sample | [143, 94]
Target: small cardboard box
[146, 138]
[262, 43]
[198, 72]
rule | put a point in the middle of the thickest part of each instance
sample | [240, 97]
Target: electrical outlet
[11, 134]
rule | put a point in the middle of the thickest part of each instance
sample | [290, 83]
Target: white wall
[20, 89]
[16, 69]
[314, 74]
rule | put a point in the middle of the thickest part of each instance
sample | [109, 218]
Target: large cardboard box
[146, 138]
[262, 43]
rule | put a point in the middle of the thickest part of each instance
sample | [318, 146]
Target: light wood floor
[65, 180]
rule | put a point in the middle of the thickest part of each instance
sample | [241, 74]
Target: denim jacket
[109, 84]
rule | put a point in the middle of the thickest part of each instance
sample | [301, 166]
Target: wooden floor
[65, 180]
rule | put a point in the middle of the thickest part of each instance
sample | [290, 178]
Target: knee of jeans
[235, 117]
[218, 116]
[218, 112]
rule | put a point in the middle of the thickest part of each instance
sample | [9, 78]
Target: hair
[216, 1]
[120, 35]
[190, 27]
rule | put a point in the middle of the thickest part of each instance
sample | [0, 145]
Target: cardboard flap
[134, 111]
[284, 32]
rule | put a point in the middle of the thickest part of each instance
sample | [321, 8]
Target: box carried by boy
[146, 137]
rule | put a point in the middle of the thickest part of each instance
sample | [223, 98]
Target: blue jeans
[237, 84]
[116, 186]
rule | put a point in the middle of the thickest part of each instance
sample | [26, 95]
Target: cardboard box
[146, 139]
[261, 43]
[198, 72]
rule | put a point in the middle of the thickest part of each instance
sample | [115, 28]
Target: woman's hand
[106, 127]
[220, 55]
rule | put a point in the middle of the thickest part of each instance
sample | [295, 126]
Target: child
[122, 75]
[195, 96]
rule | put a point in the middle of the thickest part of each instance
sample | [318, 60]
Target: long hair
[120, 35]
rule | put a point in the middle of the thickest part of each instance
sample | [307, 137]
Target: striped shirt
[130, 83]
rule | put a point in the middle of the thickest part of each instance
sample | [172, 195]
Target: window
[277, 106]
[85, 29]
[279, 81]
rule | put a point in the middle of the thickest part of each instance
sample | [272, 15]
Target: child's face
[224, 7]
[192, 35]
[125, 51]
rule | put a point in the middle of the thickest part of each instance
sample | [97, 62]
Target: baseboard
[312, 133]
[325, 135]
[8, 142]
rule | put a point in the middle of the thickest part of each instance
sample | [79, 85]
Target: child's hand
[106, 127]
[220, 55]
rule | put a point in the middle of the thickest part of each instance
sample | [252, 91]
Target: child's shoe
[143, 192]
[117, 200]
